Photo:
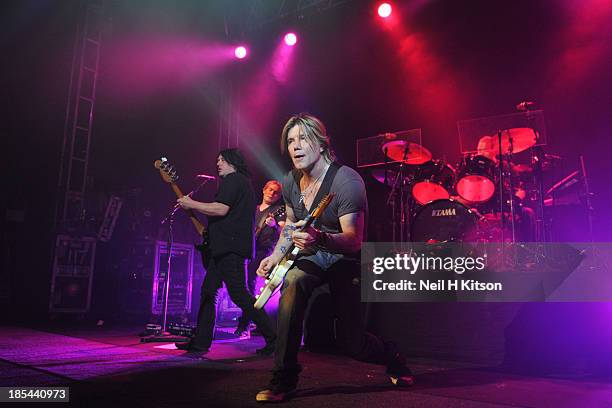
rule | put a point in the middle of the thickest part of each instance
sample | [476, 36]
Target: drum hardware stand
[588, 202]
[391, 198]
[537, 160]
[391, 202]
[404, 206]
[400, 188]
[511, 187]
[501, 186]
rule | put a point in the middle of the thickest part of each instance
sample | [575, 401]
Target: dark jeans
[228, 268]
[344, 285]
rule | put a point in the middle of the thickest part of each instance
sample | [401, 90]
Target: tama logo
[446, 212]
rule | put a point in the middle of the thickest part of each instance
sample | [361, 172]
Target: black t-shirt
[234, 231]
[268, 236]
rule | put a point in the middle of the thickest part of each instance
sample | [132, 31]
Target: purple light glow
[142, 67]
[290, 39]
[240, 52]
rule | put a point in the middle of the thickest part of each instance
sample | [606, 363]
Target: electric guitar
[279, 212]
[277, 275]
[168, 174]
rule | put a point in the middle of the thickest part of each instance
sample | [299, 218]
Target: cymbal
[522, 139]
[407, 152]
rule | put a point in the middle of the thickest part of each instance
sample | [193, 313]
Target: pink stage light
[290, 39]
[240, 52]
[384, 10]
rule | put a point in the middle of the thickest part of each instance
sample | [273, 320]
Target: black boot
[281, 387]
[267, 350]
[397, 370]
[190, 347]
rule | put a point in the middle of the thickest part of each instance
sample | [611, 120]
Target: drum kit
[434, 201]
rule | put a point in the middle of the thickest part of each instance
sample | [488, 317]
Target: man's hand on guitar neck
[306, 238]
[186, 202]
[271, 221]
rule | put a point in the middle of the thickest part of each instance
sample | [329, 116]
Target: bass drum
[444, 221]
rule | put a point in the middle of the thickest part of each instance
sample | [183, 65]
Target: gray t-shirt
[350, 198]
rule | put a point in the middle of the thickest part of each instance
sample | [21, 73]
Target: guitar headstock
[322, 205]
[166, 170]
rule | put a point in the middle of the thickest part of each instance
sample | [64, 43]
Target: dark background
[443, 61]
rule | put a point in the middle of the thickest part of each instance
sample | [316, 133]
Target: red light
[290, 39]
[240, 52]
[384, 10]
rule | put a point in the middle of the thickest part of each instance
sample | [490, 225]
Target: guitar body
[276, 279]
[277, 275]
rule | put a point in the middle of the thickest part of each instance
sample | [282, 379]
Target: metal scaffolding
[78, 123]
[73, 263]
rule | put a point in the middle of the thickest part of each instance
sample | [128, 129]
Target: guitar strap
[325, 187]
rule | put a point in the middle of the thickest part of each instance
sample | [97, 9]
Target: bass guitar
[168, 174]
[277, 275]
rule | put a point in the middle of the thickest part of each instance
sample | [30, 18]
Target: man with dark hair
[230, 232]
[329, 253]
[269, 219]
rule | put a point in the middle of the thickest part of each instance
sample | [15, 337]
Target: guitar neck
[194, 220]
[308, 222]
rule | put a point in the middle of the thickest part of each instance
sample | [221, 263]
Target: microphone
[205, 176]
[525, 105]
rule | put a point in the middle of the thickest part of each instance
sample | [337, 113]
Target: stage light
[240, 52]
[384, 10]
[290, 39]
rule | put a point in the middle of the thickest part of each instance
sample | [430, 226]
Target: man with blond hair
[329, 253]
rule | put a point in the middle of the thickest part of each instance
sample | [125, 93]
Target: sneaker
[279, 389]
[241, 330]
[242, 333]
[266, 350]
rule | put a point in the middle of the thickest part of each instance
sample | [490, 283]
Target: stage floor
[109, 367]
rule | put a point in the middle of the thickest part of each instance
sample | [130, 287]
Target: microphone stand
[165, 336]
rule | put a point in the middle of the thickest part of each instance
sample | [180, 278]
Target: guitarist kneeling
[230, 237]
[329, 253]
